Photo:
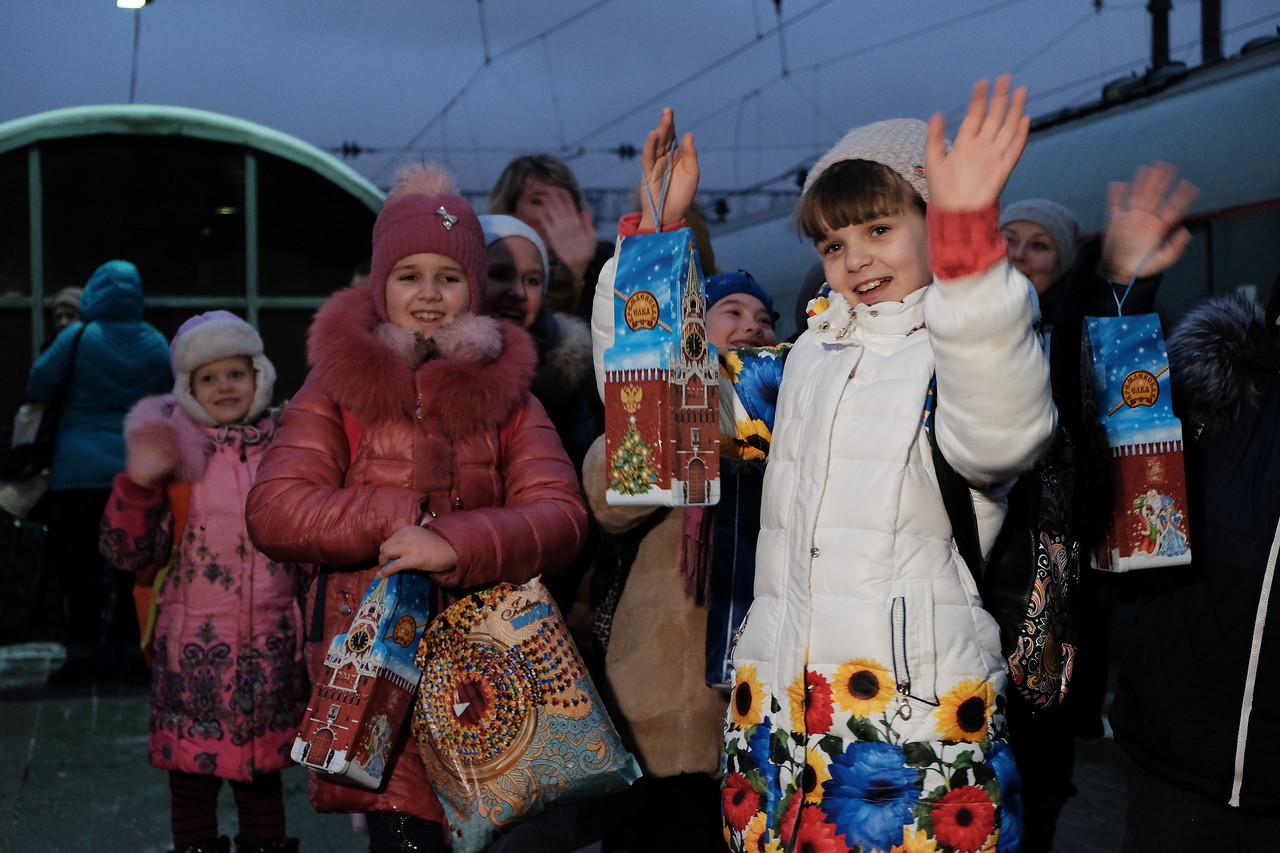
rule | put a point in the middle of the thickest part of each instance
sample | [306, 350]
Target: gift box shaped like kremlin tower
[662, 395]
[360, 703]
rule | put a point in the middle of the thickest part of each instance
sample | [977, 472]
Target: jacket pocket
[914, 656]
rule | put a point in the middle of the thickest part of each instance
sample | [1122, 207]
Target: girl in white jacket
[867, 707]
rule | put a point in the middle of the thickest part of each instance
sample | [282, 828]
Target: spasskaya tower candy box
[362, 700]
[661, 383]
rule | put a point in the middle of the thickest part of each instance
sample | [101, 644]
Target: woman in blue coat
[102, 365]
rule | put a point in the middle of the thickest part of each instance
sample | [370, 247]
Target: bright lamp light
[131, 4]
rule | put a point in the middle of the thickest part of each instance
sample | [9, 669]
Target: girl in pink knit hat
[415, 440]
[228, 684]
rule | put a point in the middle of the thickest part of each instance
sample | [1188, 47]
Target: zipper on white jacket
[901, 662]
[901, 667]
[1251, 675]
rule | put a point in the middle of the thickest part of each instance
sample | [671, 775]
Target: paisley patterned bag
[1030, 581]
[506, 717]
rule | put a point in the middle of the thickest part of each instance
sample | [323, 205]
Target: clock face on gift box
[694, 346]
[358, 641]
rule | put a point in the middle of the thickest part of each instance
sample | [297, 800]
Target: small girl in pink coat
[228, 683]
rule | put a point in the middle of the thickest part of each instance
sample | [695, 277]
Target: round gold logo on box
[1140, 388]
[641, 311]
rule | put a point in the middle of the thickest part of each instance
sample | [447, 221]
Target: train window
[15, 236]
[313, 233]
[171, 205]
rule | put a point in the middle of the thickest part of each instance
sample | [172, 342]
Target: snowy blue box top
[366, 690]
[1130, 380]
[662, 395]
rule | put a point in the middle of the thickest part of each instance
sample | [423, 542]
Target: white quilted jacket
[855, 557]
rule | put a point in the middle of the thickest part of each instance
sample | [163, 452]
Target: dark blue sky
[581, 77]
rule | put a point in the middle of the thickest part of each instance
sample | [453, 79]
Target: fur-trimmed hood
[376, 370]
[160, 422]
[1216, 354]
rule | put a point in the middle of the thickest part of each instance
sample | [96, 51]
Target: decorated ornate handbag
[506, 717]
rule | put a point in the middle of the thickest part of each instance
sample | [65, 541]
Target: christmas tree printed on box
[662, 397]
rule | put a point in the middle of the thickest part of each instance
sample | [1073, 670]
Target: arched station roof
[155, 120]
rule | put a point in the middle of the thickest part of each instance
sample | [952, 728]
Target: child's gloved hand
[413, 547]
[150, 463]
[987, 146]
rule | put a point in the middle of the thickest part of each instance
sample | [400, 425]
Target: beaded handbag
[506, 717]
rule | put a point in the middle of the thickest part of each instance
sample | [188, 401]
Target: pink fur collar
[476, 371]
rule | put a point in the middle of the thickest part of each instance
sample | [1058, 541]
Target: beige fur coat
[656, 663]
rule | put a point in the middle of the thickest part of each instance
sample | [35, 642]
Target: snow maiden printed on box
[1126, 378]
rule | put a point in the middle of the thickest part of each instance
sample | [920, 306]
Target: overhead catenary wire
[475, 75]
[484, 32]
[860, 52]
[1132, 65]
[732, 54]
[1038, 52]
[579, 146]
[782, 37]
[551, 90]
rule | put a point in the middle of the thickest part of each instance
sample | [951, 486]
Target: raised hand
[1143, 237]
[683, 184]
[150, 462]
[570, 233]
[986, 148]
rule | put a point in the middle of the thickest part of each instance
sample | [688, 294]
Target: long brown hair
[852, 192]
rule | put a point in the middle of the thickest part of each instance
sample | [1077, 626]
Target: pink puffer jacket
[228, 686]
[459, 435]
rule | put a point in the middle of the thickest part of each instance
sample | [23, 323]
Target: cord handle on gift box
[1120, 300]
[656, 208]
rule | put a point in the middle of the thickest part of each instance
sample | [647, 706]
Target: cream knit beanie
[1053, 218]
[898, 143]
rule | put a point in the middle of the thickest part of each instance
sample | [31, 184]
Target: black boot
[221, 844]
[280, 844]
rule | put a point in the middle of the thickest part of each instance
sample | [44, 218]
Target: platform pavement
[78, 781]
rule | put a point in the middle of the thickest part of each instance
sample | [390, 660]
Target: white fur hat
[213, 336]
[898, 143]
[498, 225]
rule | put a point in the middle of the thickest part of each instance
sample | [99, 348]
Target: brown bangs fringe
[852, 192]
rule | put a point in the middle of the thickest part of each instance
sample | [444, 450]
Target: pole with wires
[782, 37]
[137, 38]
[484, 33]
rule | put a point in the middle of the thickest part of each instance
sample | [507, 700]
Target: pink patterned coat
[228, 682]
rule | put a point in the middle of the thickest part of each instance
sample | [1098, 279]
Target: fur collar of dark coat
[564, 344]
[1217, 354]
[474, 373]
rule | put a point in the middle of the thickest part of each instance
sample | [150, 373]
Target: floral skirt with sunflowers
[826, 768]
